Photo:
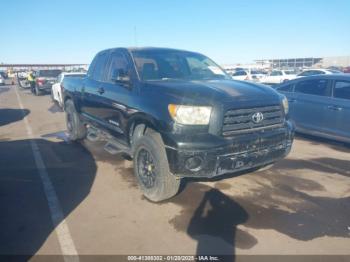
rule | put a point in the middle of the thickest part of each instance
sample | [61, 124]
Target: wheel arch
[144, 122]
[67, 97]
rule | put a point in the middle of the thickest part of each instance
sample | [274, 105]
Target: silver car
[320, 105]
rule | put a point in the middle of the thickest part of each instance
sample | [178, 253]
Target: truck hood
[214, 91]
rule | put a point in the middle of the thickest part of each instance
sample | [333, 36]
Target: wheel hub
[146, 168]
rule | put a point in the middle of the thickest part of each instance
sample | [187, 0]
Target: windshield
[49, 73]
[173, 64]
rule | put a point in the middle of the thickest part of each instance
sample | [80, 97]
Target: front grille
[240, 120]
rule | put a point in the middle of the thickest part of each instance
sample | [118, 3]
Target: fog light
[194, 163]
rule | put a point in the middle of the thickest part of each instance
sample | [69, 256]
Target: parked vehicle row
[250, 75]
[46, 81]
[278, 76]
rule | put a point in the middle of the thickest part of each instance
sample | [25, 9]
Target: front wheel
[151, 168]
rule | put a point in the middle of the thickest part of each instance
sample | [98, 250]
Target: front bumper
[228, 155]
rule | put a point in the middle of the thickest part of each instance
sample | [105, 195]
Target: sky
[228, 31]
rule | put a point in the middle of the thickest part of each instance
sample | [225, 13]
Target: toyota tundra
[177, 114]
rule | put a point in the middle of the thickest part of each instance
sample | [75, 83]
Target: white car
[278, 76]
[249, 75]
[56, 89]
[2, 80]
[311, 72]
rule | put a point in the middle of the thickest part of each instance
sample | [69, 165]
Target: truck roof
[130, 49]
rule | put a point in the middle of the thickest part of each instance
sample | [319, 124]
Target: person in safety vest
[31, 80]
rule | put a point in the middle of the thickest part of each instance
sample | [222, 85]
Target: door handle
[335, 108]
[100, 90]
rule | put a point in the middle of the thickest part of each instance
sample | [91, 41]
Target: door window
[342, 89]
[118, 65]
[313, 87]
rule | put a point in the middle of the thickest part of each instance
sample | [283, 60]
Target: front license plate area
[249, 160]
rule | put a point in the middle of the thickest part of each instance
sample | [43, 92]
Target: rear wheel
[76, 129]
[151, 168]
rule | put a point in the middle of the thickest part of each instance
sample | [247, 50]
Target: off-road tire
[76, 129]
[166, 185]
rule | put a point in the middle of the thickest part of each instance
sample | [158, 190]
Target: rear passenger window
[100, 67]
[342, 89]
[313, 87]
[286, 88]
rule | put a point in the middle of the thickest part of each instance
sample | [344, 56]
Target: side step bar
[112, 145]
[93, 134]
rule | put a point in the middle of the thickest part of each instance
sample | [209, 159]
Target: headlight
[190, 115]
[285, 105]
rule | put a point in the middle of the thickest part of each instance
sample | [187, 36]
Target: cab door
[91, 89]
[118, 92]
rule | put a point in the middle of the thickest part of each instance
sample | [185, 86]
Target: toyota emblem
[257, 117]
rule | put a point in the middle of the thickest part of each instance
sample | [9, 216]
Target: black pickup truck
[177, 114]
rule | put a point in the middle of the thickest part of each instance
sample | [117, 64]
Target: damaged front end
[233, 154]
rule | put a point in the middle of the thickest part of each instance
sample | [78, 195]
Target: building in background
[292, 63]
[306, 62]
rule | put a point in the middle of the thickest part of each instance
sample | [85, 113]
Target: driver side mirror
[120, 76]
